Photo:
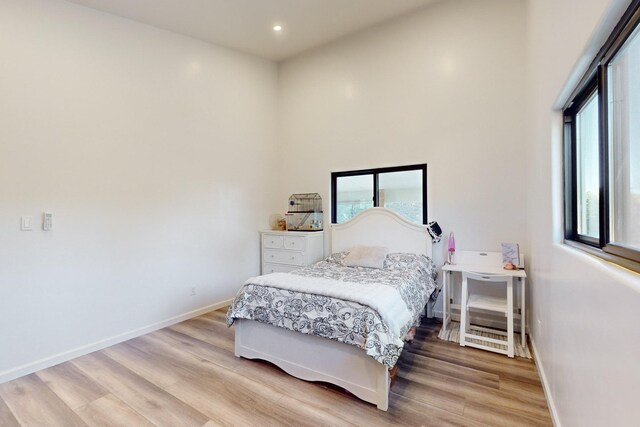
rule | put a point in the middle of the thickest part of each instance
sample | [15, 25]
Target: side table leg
[523, 306]
[510, 334]
[445, 301]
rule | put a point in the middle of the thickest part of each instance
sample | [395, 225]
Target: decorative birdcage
[305, 212]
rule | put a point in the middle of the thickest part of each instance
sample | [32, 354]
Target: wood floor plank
[199, 371]
[217, 323]
[310, 394]
[314, 394]
[476, 393]
[187, 374]
[449, 369]
[434, 397]
[531, 392]
[71, 385]
[531, 400]
[224, 395]
[34, 404]
[446, 400]
[152, 402]
[411, 413]
[160, 374]
[200, 331]
[109, 411]
[218, 315]
[474, 359]
[6, 416]
[501, 417]
[225, 410]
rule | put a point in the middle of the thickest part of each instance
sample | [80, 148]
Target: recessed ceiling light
[277, 28]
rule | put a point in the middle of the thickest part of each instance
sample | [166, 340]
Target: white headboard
[381, 227]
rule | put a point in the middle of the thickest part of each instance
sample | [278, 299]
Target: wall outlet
[193, 291]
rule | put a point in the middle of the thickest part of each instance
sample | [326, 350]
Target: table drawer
[273, 242]
[295, 242]
[277, 268]
[283, 257]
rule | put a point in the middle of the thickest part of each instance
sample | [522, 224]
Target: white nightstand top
[481, 262]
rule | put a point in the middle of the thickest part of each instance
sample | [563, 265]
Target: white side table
[481, 263]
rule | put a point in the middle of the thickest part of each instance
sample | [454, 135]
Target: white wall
[443, 86]
[585, 311]
[155, 153]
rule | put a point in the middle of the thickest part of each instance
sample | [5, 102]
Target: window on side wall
[402, 189]
[602, 150]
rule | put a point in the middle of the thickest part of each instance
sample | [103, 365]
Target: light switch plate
[47, 221]
[26, 223]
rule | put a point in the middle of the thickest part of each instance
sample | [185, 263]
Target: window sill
[613, 259]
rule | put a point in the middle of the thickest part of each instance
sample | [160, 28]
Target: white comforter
[385, 299]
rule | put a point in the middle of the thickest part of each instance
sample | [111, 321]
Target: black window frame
[595, 80]
[571, 164]
[375, 172]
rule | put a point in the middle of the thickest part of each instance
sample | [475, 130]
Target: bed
[357, 362]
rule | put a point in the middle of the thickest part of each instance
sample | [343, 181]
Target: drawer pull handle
[293, 257]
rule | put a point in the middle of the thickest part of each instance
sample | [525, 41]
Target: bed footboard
[313, 358]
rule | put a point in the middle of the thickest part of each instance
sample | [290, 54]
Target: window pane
[624, 145]
[353, 194]
[402, 192]
[588, 182]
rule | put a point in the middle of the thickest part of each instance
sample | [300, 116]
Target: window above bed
[402, 189]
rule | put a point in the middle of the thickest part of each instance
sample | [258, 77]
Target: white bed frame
[314, 358]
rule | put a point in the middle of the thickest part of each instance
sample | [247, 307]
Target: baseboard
[56, 359]
[545, 385]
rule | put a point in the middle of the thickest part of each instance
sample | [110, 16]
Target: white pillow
[367, 256]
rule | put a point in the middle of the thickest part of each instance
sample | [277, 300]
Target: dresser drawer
[283, 251]
[277, 268]
[273, 242]
[283, 257]
[295, 242]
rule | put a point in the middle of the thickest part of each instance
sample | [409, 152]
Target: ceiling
[247, 25]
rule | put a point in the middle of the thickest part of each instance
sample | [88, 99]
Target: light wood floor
[187, 375]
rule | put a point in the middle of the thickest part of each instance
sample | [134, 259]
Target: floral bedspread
[344, 321]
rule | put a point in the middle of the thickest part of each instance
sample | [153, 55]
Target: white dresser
[283, 251]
